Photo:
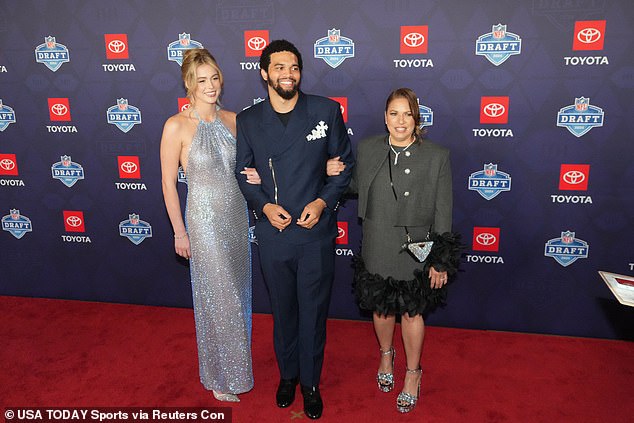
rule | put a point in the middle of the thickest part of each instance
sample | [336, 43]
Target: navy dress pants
[299, 279]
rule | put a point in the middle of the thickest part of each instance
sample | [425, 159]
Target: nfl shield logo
[334, 35]
[490, 169]
[581, 104]
[499, 31]
[184, 39]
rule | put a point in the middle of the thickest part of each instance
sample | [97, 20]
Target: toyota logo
[414, 39]
[486, 238]
[589, 35]
[73, 221]
[116, 46]
[7, 164]
[129, 167]
[574, 177]
[185, 106]
[256, 43]
[494, 110]
[340, 233]
[59, 109]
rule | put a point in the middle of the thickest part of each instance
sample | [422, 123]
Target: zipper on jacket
[274, 180]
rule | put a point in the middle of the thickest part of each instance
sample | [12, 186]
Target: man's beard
[285, 94]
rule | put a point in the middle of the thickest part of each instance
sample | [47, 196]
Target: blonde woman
[214, 233]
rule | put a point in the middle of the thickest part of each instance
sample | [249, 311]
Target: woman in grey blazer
[404, 186]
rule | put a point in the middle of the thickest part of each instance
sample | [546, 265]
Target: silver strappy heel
[406, 402]
[385, 381]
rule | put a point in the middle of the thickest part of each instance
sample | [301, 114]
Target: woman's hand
[253, 177]
[437, 279]
[335, 166]
[181, 245]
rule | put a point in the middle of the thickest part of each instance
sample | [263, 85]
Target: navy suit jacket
[293, 158]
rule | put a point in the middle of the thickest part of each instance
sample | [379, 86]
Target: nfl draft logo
[123, 115]
[581, 117]
[252, 238]
[426, 116]
[52, 54]
[67, 171]
[16, 224]
[7, 116]
[567, 249]
[134, 229]
[176, 48]
[181, 175]
[498, 45]
[334, 48]
[489, 182]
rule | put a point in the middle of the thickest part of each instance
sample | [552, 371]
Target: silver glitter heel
[406, 402]
[228, 397]
[385, 381]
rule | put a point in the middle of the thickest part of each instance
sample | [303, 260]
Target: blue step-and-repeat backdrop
[533, 98]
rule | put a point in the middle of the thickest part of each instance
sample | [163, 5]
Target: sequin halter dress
[220, 265]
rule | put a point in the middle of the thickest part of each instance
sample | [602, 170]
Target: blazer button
[406, 193]
[406, 171]
[407, 154]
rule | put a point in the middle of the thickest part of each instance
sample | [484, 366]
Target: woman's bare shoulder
[228, 119]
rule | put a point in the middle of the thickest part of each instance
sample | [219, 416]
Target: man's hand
[278, 217]
[311, 213]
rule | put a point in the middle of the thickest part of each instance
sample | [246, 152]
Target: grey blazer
[429, 198]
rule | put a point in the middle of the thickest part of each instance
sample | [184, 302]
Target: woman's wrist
[182, 236]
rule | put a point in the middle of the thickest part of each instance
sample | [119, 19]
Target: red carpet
[81, 354]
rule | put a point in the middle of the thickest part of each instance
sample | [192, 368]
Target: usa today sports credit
[123, 414]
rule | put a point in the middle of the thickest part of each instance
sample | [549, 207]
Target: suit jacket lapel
[272, 126]
[281, 138]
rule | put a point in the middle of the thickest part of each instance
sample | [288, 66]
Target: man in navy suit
[288, 138]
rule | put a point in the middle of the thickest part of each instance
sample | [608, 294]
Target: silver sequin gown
[220, 264]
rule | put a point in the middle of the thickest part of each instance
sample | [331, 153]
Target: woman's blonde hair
[192, 58]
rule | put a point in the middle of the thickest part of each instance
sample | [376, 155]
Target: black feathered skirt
[389, 296]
